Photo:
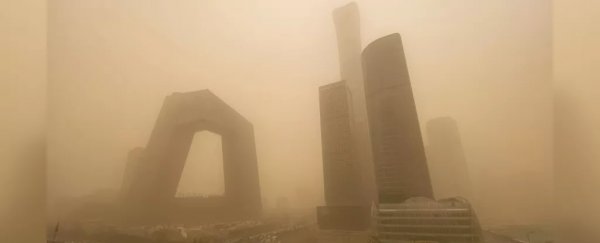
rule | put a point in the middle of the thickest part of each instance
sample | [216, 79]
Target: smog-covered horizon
[504, 93]
[464, 61]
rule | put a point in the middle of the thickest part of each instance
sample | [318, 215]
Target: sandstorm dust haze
[293, 116]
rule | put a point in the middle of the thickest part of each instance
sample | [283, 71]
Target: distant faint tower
[397, 145]
[347, 26]
[131, 168]
[448, 166]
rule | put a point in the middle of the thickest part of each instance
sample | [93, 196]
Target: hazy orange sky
[577, 133]
[22, 120]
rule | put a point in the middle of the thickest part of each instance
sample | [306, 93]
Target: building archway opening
[202, 174]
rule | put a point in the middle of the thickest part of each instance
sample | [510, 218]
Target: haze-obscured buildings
[378, 164]
[397, 145]
[447, 162]
[150, 186]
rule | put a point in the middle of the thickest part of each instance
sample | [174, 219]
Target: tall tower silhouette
[397, 146]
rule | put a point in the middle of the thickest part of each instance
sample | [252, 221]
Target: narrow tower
[347, 26]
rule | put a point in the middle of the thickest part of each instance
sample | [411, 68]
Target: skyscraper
[397, 146]
[347, 26]
[340, 168]
[345, 209]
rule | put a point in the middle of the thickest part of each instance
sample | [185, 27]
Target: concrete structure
[151, 195]
[447, 162]
[397, 147]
